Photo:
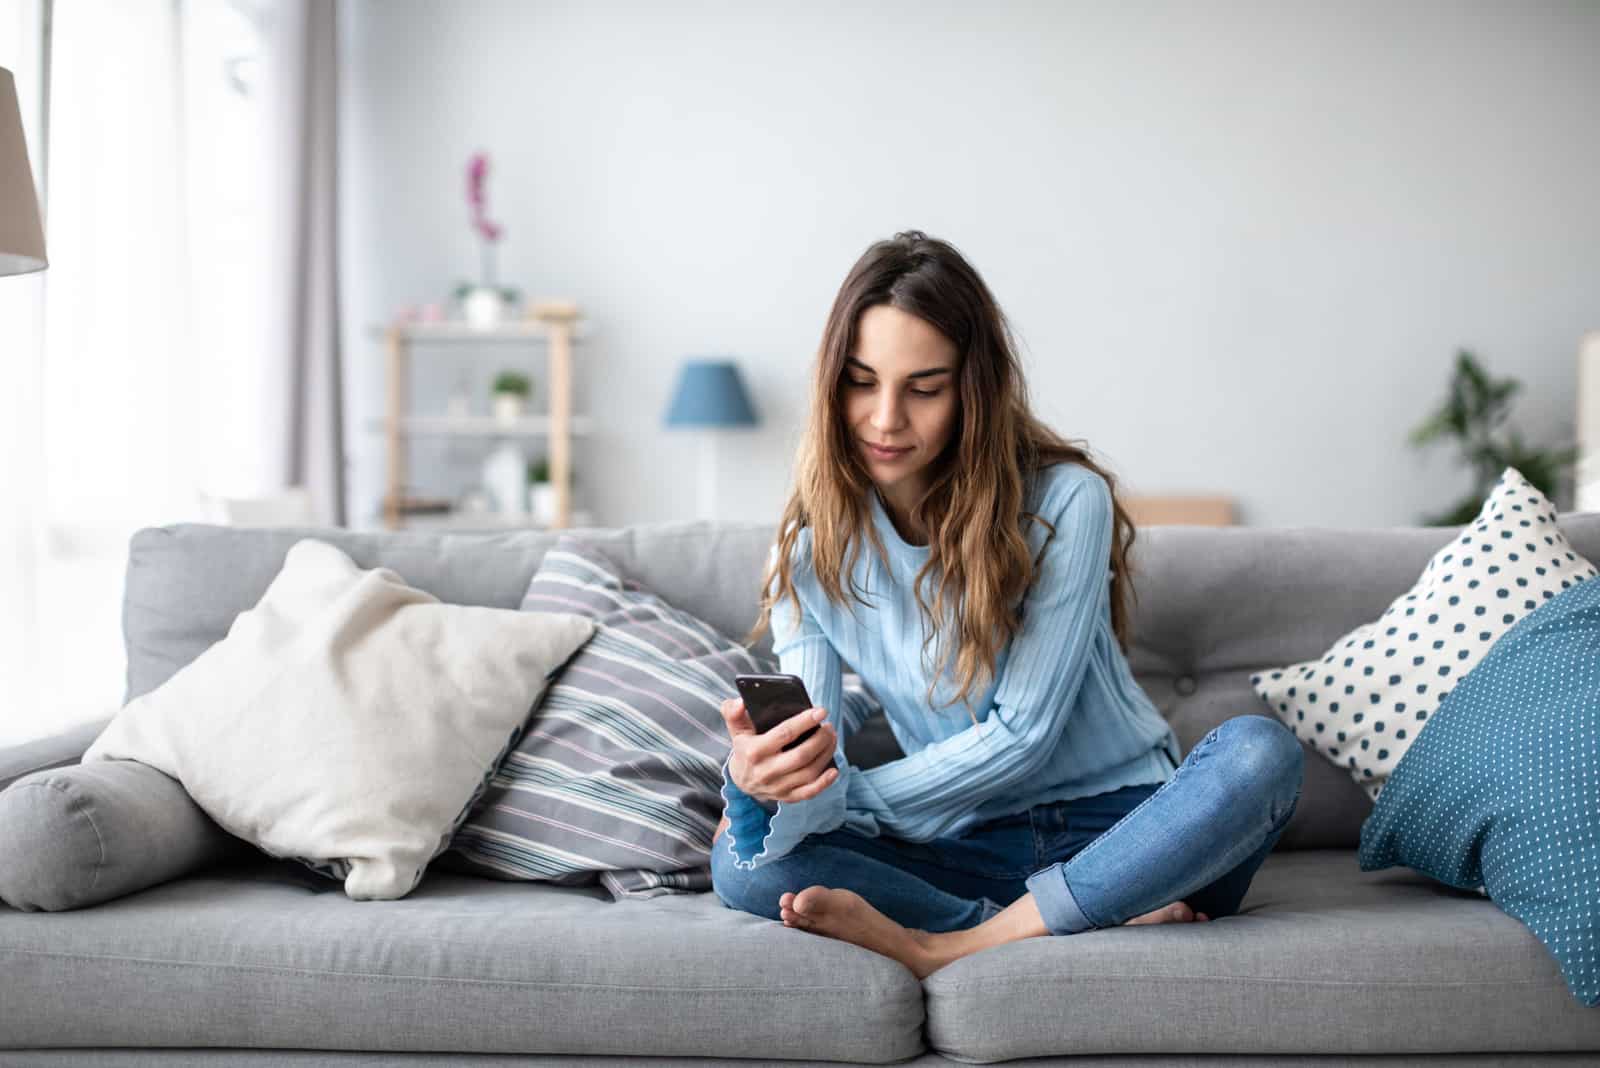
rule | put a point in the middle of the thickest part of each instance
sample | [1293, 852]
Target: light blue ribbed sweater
[1063, 717]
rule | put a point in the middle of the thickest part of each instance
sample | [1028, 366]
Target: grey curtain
[300, 69]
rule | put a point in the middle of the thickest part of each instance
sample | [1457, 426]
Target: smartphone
[771, 699]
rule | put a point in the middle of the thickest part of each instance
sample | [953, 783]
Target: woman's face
[899, 390]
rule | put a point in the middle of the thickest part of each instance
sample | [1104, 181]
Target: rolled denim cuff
[1057, 907]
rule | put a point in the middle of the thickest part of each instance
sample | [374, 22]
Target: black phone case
[771, 699]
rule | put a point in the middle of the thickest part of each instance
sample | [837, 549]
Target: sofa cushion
[187, 582]
[1500, 788]
[1322, 958]
[347, 719]
[1215, 604]
[271, 955]
[617, 772]
[80, 835]
[1364, 702]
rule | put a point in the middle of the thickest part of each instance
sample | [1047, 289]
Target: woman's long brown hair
[978, 486]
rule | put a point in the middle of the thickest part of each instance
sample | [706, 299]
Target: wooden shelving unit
[553, 324]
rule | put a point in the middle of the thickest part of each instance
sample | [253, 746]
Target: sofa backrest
[1215, 604]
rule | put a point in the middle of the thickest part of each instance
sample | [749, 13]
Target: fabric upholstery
[271, 954]
[347, 719]
[55, 751]
[1215, 605]
[618, 769]
[80, 835]
[1321, 958]
[1500, 789]
[1365, 702]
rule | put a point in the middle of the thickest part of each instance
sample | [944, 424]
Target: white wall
[1240, 241]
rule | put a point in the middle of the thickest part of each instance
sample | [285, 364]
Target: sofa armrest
[56, 751]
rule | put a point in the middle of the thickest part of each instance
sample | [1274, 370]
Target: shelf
[480, 426]
[489, 521]
[459, 331]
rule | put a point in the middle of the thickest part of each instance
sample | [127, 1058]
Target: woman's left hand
[720, 828]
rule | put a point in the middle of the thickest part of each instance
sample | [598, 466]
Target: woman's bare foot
[846, 915]
[1177, 912]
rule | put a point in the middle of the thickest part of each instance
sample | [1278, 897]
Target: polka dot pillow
[1500, 789]
[1363, 704]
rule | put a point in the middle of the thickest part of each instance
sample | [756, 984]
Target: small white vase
[507, 407]
[542, 502]
[483, 307]
[505, 473]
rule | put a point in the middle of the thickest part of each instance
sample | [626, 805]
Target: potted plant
[510, 396]
[542, 492]
[1471, 414]
[484, 304]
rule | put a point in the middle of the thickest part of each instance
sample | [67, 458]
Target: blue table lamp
[710, 397]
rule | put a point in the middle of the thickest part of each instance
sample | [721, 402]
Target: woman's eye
[915, 392]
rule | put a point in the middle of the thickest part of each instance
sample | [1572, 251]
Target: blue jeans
[1090, 862]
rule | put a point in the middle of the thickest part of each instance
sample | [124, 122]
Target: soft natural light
[134, 359]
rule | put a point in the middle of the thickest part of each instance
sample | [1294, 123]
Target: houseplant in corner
[484, 304]
[1472, 414]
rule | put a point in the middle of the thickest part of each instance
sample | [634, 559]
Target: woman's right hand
[761, 768]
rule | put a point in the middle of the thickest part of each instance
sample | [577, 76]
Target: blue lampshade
[710, 393]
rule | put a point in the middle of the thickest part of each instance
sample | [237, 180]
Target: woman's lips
[885, 454]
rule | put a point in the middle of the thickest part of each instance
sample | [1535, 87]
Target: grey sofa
[262, 961]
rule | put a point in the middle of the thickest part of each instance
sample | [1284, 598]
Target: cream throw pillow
[347, 720]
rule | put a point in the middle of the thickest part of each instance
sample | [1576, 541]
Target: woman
[972, 567]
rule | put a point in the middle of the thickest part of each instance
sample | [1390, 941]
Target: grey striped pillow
[618, 774]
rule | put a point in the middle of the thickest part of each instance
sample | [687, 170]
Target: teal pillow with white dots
[1363, 704]
[1503, 788]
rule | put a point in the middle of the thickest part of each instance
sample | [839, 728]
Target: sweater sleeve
[762, 832]
[935, 791]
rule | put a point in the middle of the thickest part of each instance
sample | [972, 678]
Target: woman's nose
[886, 414]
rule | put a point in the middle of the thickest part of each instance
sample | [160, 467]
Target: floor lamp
[710, 397]
[21, 235]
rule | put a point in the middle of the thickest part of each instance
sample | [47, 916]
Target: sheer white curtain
[133, 371]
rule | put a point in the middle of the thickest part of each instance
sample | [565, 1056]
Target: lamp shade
[710, 393]
[21, 236]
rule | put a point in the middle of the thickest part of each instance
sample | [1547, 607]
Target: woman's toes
[811, 901]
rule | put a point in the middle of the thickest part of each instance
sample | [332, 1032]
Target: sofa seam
[276, 969]
[49, 765]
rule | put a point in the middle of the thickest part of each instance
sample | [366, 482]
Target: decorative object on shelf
[541, 493]
[505, 477]
[710, 397]
[484, 304]
[510, 393]
[1472, 413]
[21, 235]
[551, 324]
[1588, 471]
[543, 505]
